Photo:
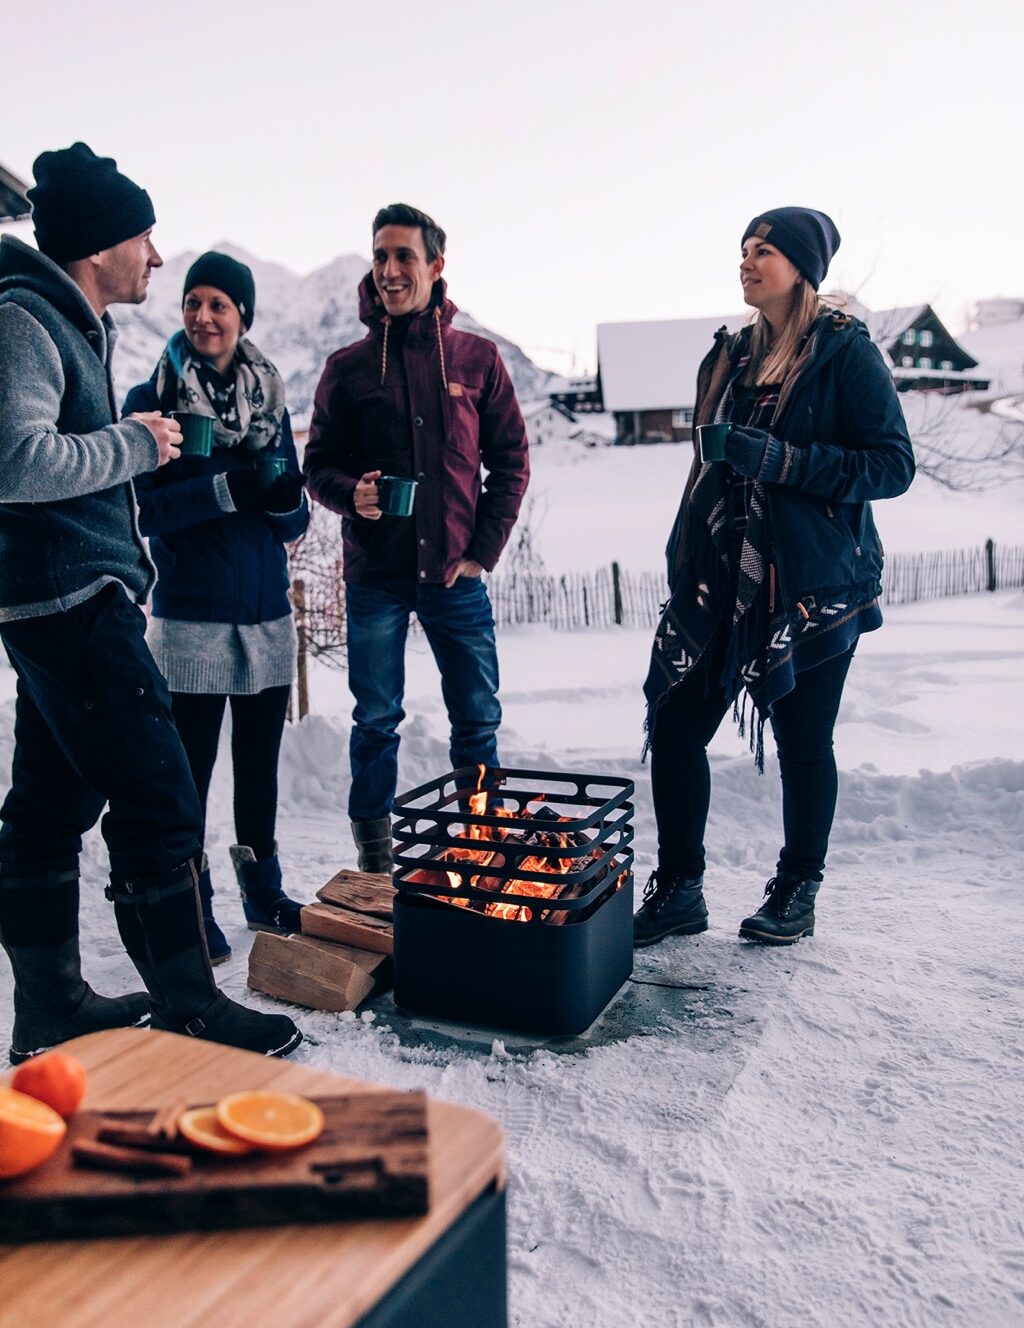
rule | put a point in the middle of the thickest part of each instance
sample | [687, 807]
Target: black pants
[257, 723]
[802, 721]
[93, 726]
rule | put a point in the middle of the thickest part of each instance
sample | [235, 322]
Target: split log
[362, 892]
[315, 973]
[363, 931]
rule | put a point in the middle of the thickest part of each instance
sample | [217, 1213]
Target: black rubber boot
[161, 925]
[786, 914]
[673, 906]
[265, 904]
[39, 931]
[373, 844]
[216, 942]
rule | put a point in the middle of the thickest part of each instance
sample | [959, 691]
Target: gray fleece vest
[67, 508]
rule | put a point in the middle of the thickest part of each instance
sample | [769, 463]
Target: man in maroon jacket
[416, 399]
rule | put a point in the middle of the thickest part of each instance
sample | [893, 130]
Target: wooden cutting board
[370, 1160]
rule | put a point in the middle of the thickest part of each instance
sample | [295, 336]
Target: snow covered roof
[888, 325]
[13, 203]
[653, 366]
[999, 350]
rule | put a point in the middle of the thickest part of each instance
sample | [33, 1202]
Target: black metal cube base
[529, 977]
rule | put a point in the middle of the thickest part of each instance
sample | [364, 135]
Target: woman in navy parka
[221, 627]
[774, 568]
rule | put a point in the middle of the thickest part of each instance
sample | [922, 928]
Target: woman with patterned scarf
[774, 569]
[221, 627]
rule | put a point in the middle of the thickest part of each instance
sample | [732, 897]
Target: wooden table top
[323, 1276]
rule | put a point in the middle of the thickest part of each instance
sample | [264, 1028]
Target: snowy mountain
[299, 322]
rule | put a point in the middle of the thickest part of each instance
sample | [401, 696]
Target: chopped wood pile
[343, 954]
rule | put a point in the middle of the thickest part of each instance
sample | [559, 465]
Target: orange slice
[54, 1078]
[30, 1132]
[201, 1127]
[271, 1120]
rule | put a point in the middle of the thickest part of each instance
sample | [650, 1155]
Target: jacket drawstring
[384, 352]
[440, 346]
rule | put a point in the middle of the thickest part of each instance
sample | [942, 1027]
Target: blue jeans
[459, 627]
[93, 727]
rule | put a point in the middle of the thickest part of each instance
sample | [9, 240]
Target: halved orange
[271, 1120]
[201, 1127]
[30, 1132]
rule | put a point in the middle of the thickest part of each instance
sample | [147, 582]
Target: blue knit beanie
[809, 239]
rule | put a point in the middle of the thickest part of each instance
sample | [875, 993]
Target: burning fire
[479, 806]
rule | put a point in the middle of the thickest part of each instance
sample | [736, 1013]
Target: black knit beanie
[82, 204]
[809, 239]
[227, 275]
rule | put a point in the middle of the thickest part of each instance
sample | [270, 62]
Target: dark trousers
[802, 721]
[459, 627]
[93, 726]
[257, 724]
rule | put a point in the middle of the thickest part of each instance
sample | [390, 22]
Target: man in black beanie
[93, 721]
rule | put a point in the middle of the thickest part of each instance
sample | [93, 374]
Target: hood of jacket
[373, 313]
[25, 268]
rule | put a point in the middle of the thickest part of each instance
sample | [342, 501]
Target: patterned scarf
[251, 413]
[711, 576]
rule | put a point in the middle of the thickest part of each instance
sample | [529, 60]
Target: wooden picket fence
[612, 596]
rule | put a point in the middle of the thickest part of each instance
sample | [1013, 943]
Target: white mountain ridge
[300, 321]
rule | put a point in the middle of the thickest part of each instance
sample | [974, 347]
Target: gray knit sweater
[67, 509]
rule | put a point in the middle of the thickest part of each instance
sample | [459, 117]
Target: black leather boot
[161, 924]
[264, 902]
[786, 914]
[216, 942]
[373, 844]
[39, 930]
[673, 906]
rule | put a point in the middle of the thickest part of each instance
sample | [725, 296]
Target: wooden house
[580, 395]
[14, 206]
[924, 354]
[648, 374]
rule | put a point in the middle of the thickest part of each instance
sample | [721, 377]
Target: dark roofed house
[924, 354]
[14, 206]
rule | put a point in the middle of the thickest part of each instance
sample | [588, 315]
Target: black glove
[761, 456]
[284, 495]
[244, 490]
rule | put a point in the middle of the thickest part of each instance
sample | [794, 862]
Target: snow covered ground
[748, 1138]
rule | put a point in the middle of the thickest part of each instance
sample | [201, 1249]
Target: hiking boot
[161, 926]
[673, 905]
[264, 902]
[39, 930]
[216, 941]
[373, 844]
[786, 914]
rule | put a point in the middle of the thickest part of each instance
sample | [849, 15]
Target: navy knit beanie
[82, 204]
[809, 239]
[227, 275]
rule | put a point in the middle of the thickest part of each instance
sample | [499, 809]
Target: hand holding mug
[365, 497]
[166, 434]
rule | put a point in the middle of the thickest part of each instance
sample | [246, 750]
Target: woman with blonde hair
[774, 566]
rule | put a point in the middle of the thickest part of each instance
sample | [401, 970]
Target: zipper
[771, 588]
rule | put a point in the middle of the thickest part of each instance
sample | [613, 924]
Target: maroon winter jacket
[418, 398]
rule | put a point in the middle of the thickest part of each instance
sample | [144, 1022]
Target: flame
[479, 806]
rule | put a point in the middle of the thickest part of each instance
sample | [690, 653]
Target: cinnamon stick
[137, 1161]
[164, 1124]
[131, 1136]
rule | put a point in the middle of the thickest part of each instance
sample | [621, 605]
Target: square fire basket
[515, 901]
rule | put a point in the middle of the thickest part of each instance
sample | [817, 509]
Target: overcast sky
[591, 162]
